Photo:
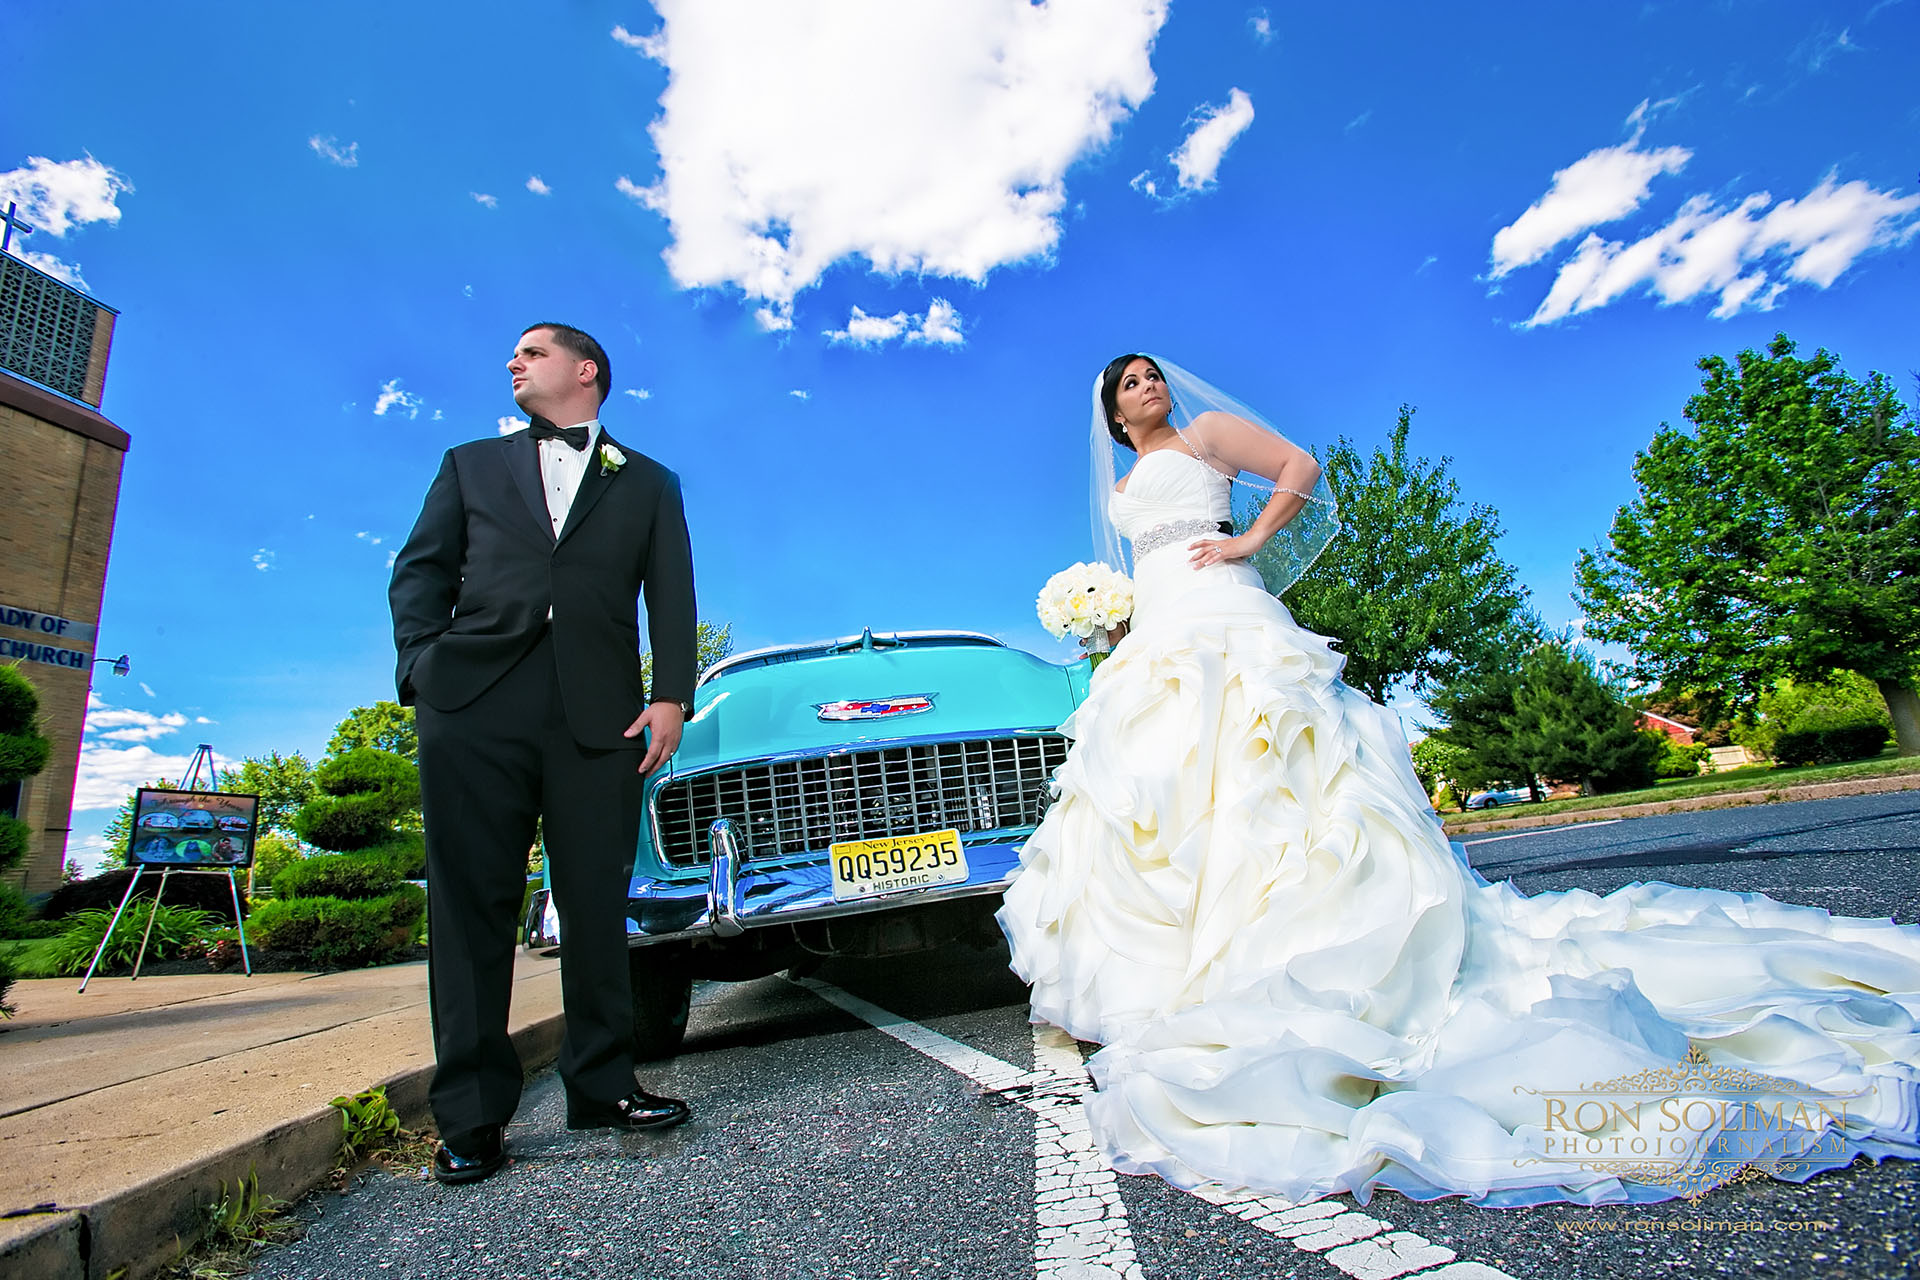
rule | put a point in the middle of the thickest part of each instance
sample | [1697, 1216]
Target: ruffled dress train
[1302, 988]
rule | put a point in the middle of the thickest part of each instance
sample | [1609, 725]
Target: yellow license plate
[863, 868]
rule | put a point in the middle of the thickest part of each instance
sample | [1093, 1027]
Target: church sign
[52, 634]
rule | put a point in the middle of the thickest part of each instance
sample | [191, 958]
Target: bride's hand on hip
[1219, 550]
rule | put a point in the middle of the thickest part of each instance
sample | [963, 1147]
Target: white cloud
[1144, 183]
[507, 426]
[144, 688]
[1261, 25]
[393, 399]
[114, 758]
[263, 559]
[639, 393]
[938, 326]
[864, 330]
[1198, 158]
[56, 197]
[1359, 121]
[800, 394]
[330, 150]
[1706, 250]
[371, 539]
[644, 196]
[109, 774]
[648, 45]
[204, 720]
[538, 187]
[481, 197]
[1601, 187]
[792, 137]
[1426, 262]
[58, 268]
[437, 416]
[1823, 46]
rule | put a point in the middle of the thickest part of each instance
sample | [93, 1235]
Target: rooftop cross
[13, 224]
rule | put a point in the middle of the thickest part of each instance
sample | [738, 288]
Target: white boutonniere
[611, 459]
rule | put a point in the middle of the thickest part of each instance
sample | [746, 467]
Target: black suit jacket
[472, 586]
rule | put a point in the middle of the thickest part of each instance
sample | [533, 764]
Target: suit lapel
[592, 485]
[523, 460]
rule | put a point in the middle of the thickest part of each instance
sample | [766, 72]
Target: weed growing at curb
[371, 1131]
[243, 1222]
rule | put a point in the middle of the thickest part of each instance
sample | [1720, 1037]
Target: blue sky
[857, 263]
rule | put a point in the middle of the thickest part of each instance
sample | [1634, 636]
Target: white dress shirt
[561, 470]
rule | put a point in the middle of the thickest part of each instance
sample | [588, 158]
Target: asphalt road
[824, 1146]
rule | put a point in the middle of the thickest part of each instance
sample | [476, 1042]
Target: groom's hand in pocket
[661, 721]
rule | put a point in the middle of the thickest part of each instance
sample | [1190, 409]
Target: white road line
[1080, 1221]
[1544, 831]
[1082, 1232]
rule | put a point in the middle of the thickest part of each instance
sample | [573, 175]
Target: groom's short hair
[580, 344]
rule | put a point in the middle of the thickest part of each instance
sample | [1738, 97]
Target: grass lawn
[1757, 777]
[29, 956]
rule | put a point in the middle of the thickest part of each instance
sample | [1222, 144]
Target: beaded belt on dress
[1172, 531]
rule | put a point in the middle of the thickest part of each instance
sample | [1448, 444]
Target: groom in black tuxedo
[515, 616]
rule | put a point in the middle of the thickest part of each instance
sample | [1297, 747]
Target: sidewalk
[124, 1109]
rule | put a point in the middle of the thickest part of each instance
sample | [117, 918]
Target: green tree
[384, 726]
[1437, 763]
[283, 783]
[1843, 698]
[1476, 706]
[1413, 588]
[1780, 536]
[23, 753]
[711, 643]
[1568, 723]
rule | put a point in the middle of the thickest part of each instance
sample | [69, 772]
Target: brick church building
[59, 486]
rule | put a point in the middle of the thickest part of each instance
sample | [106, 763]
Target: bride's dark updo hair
[1110, 392]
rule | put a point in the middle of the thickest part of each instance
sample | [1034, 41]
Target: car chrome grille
[801, 806]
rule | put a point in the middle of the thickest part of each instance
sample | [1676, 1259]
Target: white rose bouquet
[1088, 600]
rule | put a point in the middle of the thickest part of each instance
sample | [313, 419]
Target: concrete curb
[144, 1227]
[1695, 804]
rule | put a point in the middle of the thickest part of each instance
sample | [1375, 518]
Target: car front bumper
[737, 897]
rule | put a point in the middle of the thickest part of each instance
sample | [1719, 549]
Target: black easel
[201, 758]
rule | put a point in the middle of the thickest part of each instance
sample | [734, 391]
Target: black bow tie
[575, 437]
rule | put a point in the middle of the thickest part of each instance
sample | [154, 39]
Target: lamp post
[120, 664]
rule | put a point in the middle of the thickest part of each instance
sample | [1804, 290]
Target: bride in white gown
[1303, 989]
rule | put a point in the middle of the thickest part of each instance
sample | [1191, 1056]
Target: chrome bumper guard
[737, 897]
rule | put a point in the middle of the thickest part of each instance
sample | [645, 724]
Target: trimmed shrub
[1679, 760]
[272, 854]
[1829, 739]
[406, 853]
[16, 917]
[337, 933]
[336, 875]
[173, 929]
[209, 893]
[14, 835]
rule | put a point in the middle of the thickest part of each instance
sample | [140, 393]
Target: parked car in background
[858, 797]
[1493, 799]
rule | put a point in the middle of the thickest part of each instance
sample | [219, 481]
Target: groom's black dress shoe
[637, 1111]
[485, 1153]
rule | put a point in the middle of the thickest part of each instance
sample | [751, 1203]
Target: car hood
[775, 709]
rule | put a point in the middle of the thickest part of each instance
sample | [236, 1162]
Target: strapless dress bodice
[1165, 486]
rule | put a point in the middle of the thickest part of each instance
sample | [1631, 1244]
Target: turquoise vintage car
[858, 797]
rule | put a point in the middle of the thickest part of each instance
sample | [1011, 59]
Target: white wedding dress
[1303, 989]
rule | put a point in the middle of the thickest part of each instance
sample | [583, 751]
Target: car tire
[662, 990]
